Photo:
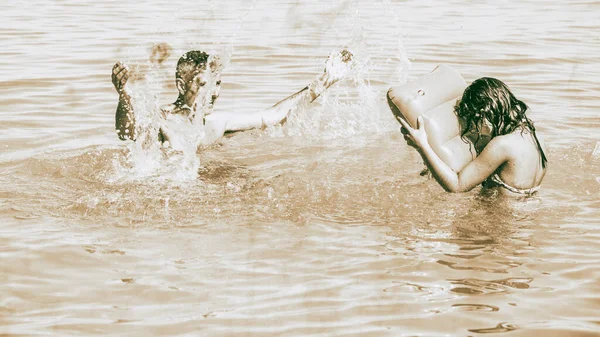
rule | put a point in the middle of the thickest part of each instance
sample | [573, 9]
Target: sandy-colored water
[320, 228]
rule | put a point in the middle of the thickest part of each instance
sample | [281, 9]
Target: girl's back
[524, 169]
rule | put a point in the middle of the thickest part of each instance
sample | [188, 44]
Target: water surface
[322, 227]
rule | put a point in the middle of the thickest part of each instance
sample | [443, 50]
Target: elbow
[451, 189]
[456, 184]
[455, 188]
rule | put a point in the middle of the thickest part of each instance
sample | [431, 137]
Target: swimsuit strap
[496, 179]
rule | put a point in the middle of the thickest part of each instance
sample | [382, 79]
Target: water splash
[351, 107]
[148, 158]
[357, 104]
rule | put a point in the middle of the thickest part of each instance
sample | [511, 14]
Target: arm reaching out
[337, 66]
[124, 117]
[494, 155]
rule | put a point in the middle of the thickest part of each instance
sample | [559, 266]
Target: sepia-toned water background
[322, 227]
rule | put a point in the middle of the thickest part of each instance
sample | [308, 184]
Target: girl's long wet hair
[491, 99]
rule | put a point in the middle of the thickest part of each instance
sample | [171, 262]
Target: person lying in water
[509, 152]
[198, 81]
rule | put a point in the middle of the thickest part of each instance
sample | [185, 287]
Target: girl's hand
[416, 138]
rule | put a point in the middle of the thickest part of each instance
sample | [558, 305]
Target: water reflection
[482, 241]
[479, 287]
[492, 238]
[501, 327]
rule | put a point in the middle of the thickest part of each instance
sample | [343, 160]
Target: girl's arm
[494, 155]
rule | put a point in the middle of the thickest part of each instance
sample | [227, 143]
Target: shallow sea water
[322, 227]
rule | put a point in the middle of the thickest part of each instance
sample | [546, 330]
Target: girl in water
[493, 120]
